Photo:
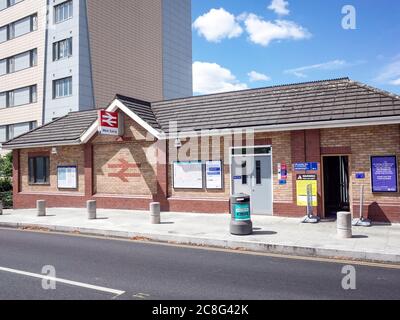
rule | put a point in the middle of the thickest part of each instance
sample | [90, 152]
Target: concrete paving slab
[271, 234]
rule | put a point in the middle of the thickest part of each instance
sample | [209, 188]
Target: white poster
[214, 174]
[188, 175]
[67, 177]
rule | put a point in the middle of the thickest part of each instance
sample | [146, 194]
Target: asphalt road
[153, 271]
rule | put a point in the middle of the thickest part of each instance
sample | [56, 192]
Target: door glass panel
[244, 172]
[258, 172]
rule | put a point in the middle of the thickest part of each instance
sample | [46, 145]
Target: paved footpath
[380, 243]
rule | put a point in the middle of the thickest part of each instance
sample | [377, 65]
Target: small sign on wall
[214, 174]
[67, 177]
[282, 173]
[303, 181]
[384, 174]
[111, 123]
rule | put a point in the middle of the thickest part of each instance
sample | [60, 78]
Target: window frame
[10, 4]
[11, 61]
[56, 49]
[10, 96]
[32, 169]
[10, 29]
[55, 91]
[63, 4]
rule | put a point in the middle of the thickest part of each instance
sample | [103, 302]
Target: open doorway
[336, 185]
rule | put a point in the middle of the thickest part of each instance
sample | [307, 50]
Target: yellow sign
[303, 181]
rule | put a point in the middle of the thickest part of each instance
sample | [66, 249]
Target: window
[19, 62]
[63, 11]
[18, 28]
[18, 97]
[3, 67]
[4, 4]
[62, 49]
[3, 34]
[39, 170]
[3, 100]
[62, 88]
[11, 131]
[258, 172]
[3, 134]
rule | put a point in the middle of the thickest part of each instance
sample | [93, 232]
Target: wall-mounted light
[178, 143]
[54, 150]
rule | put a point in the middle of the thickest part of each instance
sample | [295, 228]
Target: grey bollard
[1, 207]
[344, 227]
[91, 209]
[155, 213]
[41, 208]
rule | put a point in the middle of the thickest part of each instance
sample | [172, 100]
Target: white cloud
[255, 76]
[212, 78]
[395, 82]
[301, 72]
[264, 32]
[217, 24]
[390, 74]
[280, 7]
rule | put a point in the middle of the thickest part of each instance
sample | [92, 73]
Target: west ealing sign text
[110, 123]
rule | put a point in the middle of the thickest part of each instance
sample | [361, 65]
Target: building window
[11, 131]
[39, 170]
[63, 11]
[62, 49]
[18, 97]
[18, 28]
[62, 88]
[4, 4]
[19, 62]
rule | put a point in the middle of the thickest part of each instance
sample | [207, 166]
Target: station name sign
[110, 123]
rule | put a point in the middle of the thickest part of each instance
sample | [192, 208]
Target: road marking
[141, 295]
[253, 253]
[116, 293]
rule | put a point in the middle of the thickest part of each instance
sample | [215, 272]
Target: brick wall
[126, 166]
[361, 143]
[66, 156]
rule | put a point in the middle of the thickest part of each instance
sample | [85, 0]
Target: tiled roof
[65, 130]
[339, 99]
[320, 101]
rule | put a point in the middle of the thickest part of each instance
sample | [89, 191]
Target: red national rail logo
[124, 166]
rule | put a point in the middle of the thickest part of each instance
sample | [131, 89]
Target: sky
[241, 44]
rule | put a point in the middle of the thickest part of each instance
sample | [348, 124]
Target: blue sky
[289, 41]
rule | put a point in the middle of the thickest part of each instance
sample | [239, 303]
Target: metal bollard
[155, 213]
[41, 208]
[344, 228]
[1, 207]
[91, 209]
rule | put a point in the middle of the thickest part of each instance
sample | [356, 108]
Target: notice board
[214, 174]
[384, 174]
[303, 180]
[188, 175]
[67, 177]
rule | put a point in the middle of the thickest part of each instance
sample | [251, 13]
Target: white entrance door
[252, 175]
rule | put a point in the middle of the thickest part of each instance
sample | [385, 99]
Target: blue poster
[384, 174]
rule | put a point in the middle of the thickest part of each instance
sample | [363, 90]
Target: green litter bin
[241, 224]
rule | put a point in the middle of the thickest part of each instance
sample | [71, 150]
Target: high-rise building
[58, 56]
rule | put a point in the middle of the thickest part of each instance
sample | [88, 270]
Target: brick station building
[346, 134]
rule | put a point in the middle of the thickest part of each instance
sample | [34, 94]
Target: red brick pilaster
[16, 173]
[89, 170]
[313, 154]
[162, 175]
